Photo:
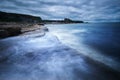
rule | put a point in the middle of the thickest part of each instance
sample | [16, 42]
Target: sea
[86, 51]
[99, 41]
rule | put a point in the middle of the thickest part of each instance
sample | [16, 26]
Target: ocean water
[99, 41]
[49, 57]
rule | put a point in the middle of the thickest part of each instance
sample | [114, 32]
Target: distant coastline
[24, 18]
[13, 24]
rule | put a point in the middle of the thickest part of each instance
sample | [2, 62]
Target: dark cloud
[88, 10]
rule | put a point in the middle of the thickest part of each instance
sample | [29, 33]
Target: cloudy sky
[87, 10]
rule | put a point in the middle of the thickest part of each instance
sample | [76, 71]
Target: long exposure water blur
[100, 41]
[66, 52]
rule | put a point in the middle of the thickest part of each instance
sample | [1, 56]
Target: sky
[86, 10]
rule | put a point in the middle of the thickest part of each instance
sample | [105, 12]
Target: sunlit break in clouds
[87, 10]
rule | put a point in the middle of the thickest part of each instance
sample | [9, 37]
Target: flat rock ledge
[15, 29]
[10, 31]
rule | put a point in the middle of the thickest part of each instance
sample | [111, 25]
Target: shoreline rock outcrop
[13, 24]
[9, 31]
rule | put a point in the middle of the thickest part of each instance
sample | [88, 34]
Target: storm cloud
[87, 10]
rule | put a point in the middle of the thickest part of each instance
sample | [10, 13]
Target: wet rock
[3, 33]
[14, 31]
[9, 31]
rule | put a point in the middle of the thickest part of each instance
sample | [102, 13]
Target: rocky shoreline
[10, 29]
[13, 24]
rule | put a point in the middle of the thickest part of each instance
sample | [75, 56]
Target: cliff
[14, 17]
